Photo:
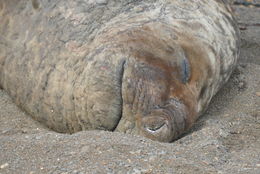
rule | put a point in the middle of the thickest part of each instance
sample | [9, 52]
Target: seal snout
[165, 123]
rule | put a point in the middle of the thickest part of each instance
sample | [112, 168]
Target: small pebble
[136, 152]
[24, 131]
[241, 85]
[136, 171]
[101, 2]
[4, 165]
[139, 9]
[258, 94]
[38, 138]
[6, 131]
[152, 158]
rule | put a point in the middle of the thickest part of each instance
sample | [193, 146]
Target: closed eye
[185, 71]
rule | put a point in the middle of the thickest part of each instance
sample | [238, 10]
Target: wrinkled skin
[146, 67]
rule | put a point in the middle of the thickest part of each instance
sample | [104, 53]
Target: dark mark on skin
[253, 24]
[203, 90]
[185, 71]
[247, 4]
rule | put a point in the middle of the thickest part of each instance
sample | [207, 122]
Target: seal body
[142, 67]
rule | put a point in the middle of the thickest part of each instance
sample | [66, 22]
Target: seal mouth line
[121, 76]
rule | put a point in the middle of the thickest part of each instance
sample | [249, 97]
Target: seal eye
[185, 71]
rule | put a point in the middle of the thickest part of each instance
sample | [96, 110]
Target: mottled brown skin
[142, 67]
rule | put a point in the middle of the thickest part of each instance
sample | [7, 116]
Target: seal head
[157, 101]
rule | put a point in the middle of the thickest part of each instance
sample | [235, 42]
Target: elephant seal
[144, 67]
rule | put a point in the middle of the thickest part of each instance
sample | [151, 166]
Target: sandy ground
[225, 140]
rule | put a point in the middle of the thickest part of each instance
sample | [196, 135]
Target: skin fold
[139, 67]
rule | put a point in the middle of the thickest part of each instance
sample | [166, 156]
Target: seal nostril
[154, 127]
[157, 127]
